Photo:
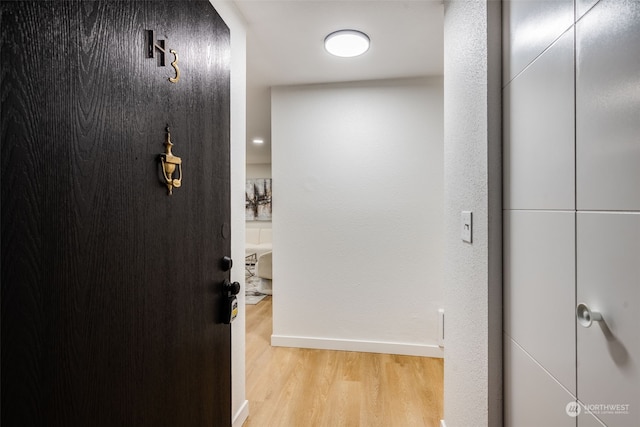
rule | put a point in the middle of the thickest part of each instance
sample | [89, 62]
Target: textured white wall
[357, 219]
[473, 282]
[233, 19]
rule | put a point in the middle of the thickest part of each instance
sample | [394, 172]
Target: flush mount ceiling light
[346, 43]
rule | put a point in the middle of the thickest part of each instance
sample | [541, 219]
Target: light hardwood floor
[291, 387]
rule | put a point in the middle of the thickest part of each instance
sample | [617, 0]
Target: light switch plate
[467, 226]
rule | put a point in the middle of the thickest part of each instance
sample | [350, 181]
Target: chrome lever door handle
[585, 316]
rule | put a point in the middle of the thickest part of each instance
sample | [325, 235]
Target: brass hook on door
[169, 163]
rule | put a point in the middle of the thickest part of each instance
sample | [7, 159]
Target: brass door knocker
[169, 163]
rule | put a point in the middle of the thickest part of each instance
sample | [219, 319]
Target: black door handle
[230, 301]
[230, 288]
[226, 263]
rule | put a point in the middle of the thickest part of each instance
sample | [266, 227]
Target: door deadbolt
[226, 263]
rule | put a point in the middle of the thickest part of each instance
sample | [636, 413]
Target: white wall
[233, 19]
[258, 170]
[357, 219]
[473, 282]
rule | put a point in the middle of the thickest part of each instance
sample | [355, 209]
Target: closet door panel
[583, 6]
[608, 107]
[539, 132]
[529, 27]
[588, 420]
[539, 288]
[608, 277]
[532, 397]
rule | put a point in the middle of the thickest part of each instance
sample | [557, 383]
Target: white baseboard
[361, 346]
[442, 423]
[241, 416]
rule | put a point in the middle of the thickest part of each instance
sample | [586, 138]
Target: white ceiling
[285, 47]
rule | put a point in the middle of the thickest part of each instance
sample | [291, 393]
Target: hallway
[316, 388]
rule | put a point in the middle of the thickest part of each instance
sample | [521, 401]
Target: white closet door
[608, 107]
[538, 120]
[528, 28]
[608, 351]
[532, 397]
[539, 289]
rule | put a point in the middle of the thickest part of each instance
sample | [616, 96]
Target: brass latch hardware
[169, 163]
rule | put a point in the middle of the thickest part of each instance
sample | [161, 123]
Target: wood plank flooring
[291, 387]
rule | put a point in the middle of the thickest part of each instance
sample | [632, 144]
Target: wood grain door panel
[111, 288]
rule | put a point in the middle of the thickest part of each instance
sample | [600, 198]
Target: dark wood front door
[111, 289]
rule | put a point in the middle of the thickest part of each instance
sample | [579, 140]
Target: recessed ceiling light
[346, 43]
[258, 141]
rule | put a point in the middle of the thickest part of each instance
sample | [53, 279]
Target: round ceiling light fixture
[347, 43]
